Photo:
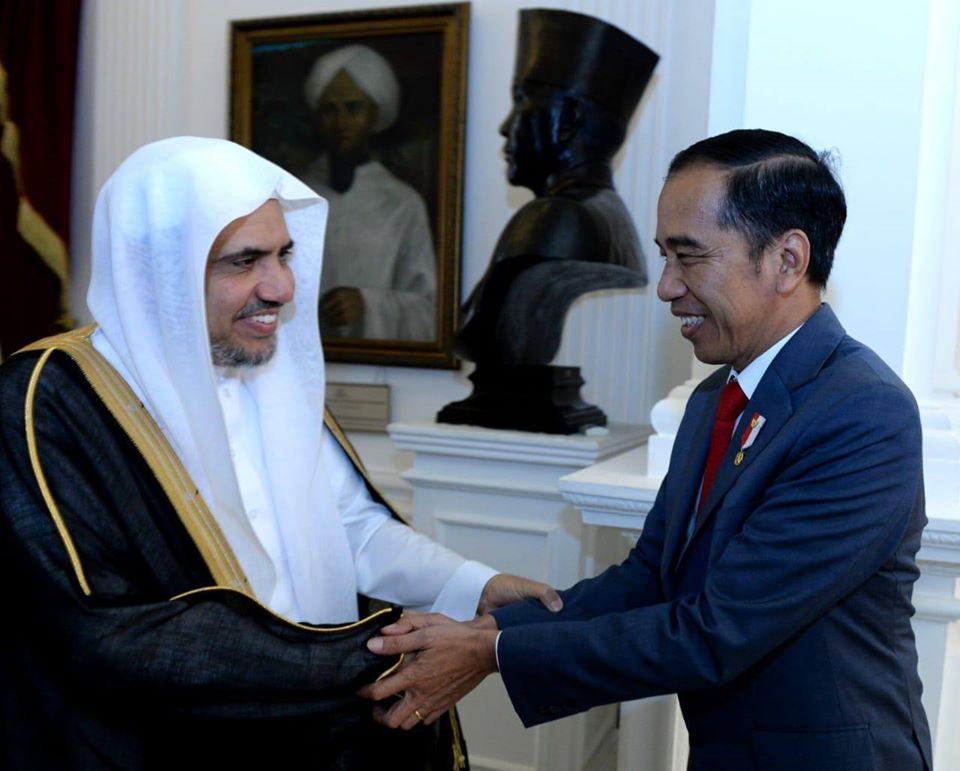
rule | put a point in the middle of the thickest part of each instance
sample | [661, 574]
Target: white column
[936, 597]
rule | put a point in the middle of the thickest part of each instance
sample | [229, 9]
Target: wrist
[486, 621]
[486, 650]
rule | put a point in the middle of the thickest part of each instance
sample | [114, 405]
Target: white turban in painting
[368, 69]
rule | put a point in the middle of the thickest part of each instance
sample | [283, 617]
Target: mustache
[257, 306]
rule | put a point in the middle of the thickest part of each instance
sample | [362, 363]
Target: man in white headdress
[379, 276]
[183, 533]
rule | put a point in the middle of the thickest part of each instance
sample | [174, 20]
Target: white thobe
[391, 561]
[378, 241]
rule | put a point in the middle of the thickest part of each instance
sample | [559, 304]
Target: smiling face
[248, 281]
[346, 116]
[732, 308]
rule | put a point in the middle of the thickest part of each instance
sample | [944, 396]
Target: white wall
[156, 68]
[848, 77]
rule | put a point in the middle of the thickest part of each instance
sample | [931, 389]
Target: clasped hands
[445, 660]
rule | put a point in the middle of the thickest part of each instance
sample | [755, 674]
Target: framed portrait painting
[367, 108]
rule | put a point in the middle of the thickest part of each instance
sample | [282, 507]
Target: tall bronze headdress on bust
[577, 81]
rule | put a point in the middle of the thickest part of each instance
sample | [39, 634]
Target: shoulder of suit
[854, 382]
[856, 364]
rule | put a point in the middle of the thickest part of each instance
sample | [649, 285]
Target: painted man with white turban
[379, 279]
[184, 533]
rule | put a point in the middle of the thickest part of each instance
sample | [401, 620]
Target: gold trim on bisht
[459, 756]
[149, 440]
[341, 438]
[42, 479]
[330, 629]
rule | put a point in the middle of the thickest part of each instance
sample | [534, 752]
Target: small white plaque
[359, 407]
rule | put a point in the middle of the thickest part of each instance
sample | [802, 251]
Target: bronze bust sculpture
[577, 81]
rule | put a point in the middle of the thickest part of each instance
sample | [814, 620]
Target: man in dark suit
[771, 587]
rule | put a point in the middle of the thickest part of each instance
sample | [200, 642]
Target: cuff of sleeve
[496, 649]
[461, 594]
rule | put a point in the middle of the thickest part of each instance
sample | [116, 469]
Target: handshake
[442, 660]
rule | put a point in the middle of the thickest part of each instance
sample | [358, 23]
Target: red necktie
[732, 402]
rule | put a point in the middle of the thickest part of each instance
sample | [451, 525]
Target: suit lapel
[690, 454]
[798, 362]
[772, 400]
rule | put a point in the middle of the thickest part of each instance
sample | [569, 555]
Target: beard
[226, 354]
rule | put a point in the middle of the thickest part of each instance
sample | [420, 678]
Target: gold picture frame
[277, 112]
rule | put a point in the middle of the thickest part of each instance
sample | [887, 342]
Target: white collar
[227, 374]
[753, 373]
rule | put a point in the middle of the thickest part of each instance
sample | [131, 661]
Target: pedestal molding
[931, 607]
[494, 485]
[495, 444]
[505, 524]
[609, 503]
[936, 537]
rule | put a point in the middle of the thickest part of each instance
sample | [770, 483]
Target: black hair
[775, 183]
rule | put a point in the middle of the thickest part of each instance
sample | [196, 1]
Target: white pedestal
[493, 496]
[617, 494]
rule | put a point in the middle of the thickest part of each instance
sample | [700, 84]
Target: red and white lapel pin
[749, 436]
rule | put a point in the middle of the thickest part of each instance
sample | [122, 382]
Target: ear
[792, 255]
[570, 120]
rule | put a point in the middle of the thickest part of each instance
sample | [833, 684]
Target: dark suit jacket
[784, 622]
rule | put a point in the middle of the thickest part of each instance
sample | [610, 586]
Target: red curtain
[38, 67]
